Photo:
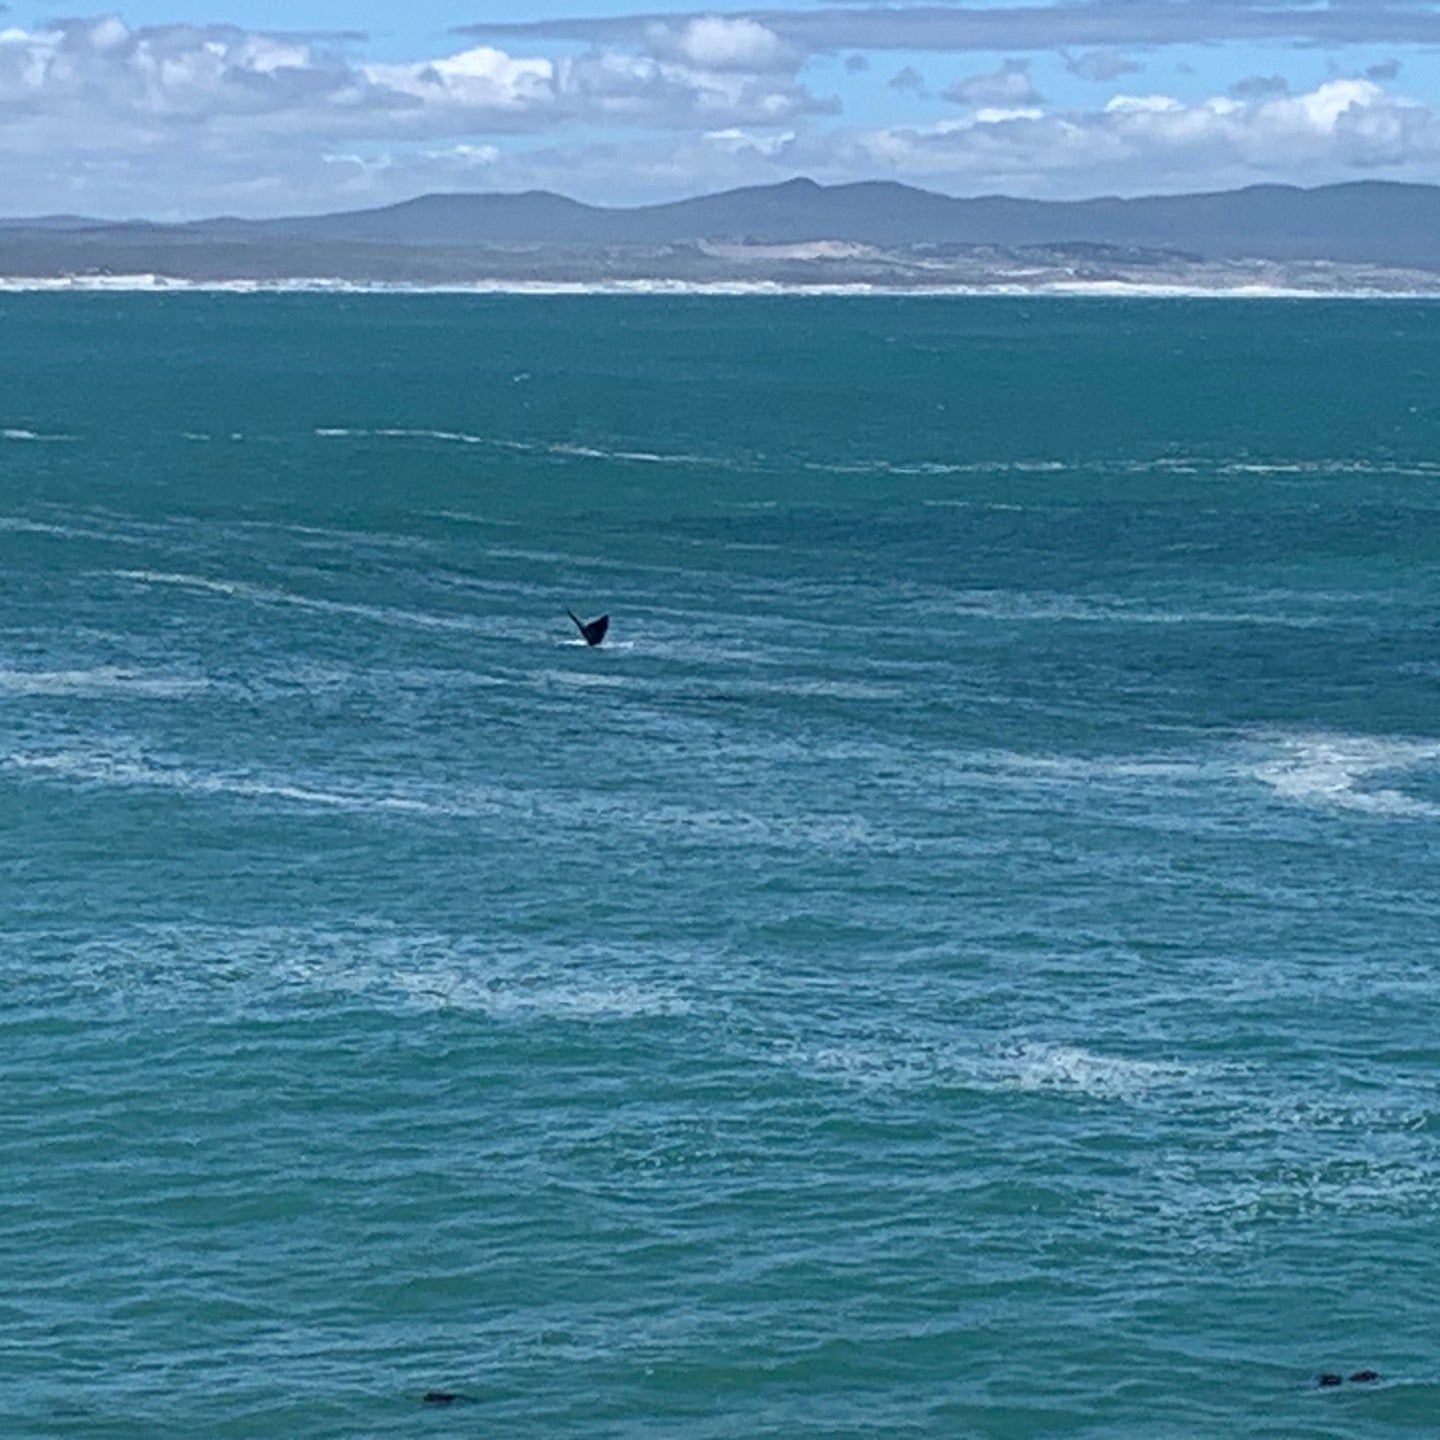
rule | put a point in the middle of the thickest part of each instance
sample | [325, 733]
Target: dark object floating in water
[1365, 1377]
[1327, 1381]
[592, 630]
[439, 1397]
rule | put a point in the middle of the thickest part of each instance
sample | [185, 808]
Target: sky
[173, 109]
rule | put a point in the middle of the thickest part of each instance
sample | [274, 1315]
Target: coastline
[153, 284]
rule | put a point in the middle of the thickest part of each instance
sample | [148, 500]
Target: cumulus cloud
[1135, 143]
[1158, 141]
[717, 42]
[98, 81]
[1009, 86]
[99, 116]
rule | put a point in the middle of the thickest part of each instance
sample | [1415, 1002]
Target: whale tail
[592, 630]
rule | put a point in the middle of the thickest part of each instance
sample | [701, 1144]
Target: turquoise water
[960, 963]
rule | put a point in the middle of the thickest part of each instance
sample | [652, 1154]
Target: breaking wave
[1349, 772]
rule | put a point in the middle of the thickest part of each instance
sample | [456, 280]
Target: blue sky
[173, 108]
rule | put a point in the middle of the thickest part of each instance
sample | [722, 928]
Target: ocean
[959, 961]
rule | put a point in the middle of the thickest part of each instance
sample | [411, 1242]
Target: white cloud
[1134, 144]
[717, 42]
[1142, 105]
[481, 78]
[99, 116]
[1144, 141]
[1006, 87]
[997, 114]
[106, 80]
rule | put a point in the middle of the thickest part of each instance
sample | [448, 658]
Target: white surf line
[739, 289]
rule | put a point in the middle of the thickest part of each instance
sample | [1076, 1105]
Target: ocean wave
[94, 767]
[454, 437]
[15, 433]
[739, 688]
[1066, 1070]
[911, 468]
[560, 449]
[28, 525]
[541, 998]
[179, 965]
[991, 505]
[1339, 771]
[1072, 1069]
[267, 595]
[469, 517]
[102, 680]
[675, 824]
[22, 525]
[1116, 610]
[1188, 465]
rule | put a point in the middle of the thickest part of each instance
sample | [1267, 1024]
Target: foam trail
[23, 525]
[468, 517]
[397, 971]
[1331, 771]
[95, 768]
[103, 680]
[574, 1001]
[265, 595]
[1064, 1070]
[1074, 1070]
[563, 449]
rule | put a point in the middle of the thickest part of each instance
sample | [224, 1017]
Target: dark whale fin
[593, 630]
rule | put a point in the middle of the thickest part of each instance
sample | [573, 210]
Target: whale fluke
[592, 630]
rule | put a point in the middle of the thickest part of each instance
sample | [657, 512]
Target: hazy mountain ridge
[1378, 222]
[879, 232]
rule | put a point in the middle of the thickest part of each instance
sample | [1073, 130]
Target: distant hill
[1375, 222]
[880, 233]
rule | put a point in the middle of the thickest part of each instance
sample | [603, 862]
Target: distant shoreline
[145, 284]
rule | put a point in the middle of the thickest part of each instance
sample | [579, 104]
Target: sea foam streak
[1068, 1070]
[1333, 770]
[560, 449]
[102, 680]
[95, 767]
[266, 595]
[182, 965]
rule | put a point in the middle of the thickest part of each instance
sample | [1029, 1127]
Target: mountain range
[891, 229]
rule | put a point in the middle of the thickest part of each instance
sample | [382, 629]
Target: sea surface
[960, 962]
